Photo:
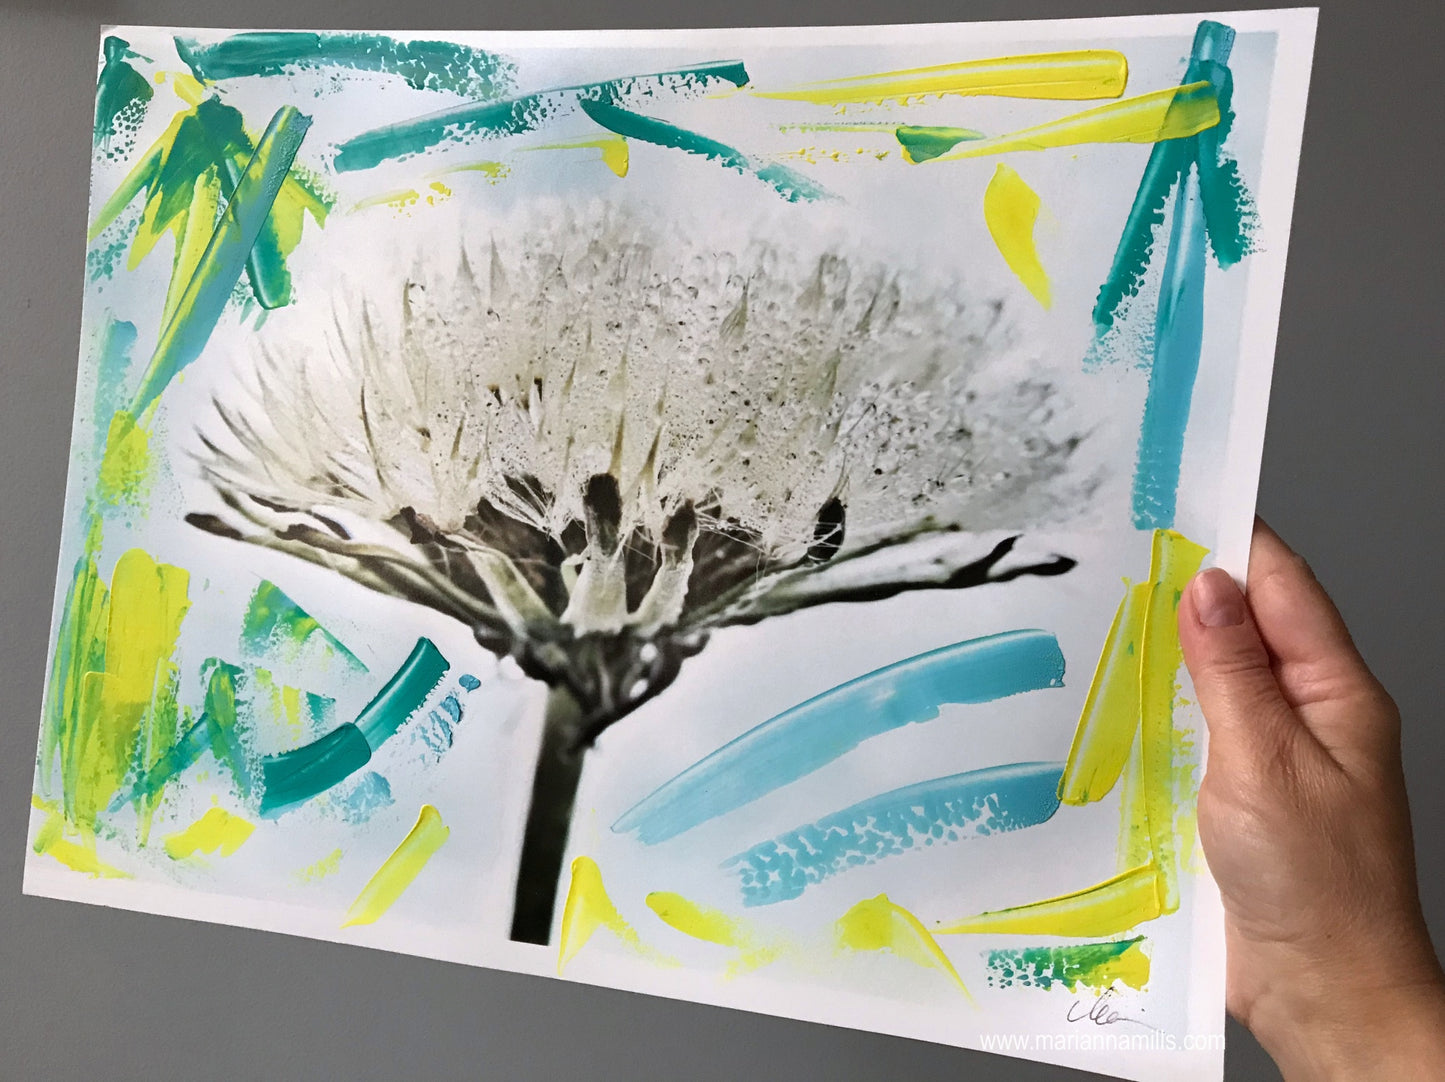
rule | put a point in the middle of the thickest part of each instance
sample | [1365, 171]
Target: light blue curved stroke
[814, 733]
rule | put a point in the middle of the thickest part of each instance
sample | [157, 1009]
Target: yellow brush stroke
[1149, 118]
[218, 831]
[1062, 76]
[1011, 209]
[330, 864]
[1173, 562]
[1111, 711]
[713, 926]
[441, 193]
[1108, 908]
[50, 840]
[615, 154]
[1150, 821]
[588, 908]
[1131, 968]
[398, 870]
[132, 701]
[399, 200]
[1134, 845]
[877, 924]
[493, 171]
[125, 466]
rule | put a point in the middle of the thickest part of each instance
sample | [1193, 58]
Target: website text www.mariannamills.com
[1153, 1041]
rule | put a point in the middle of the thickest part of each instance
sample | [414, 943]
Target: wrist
[1358, 1030]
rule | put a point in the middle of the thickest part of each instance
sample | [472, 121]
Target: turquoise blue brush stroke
[425, 65]
[301, 773]
[1167, 163]
[225, 257]
[975, 804]
[369, 795]
[1178, 338]
[516, 116]
[112, 370]
[809, 736]
[789, 183]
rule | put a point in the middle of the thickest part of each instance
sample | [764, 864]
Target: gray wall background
[1352, 477]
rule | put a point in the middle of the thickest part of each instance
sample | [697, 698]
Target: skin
[1305, 825]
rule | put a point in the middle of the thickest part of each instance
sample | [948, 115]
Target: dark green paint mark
[515, 116]
[121, 95]
[403, 694]
[1075, 966]
[1228, 209]
[300, 774]
[789, 183]
[924, 143]
[425, 65]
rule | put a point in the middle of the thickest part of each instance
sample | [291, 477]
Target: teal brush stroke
[789, 183]
[112, 370]
[121, 92]
[217, 731]
[925, 143]
[403, 694]
[226, 255]
[1071, 966]
[1212, 210]
[425, 65]
[516, 116]
[974, 804]
[300, 774]
[810, 735]
[1168, 162]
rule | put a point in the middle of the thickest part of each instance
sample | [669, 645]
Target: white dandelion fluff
[596, 441]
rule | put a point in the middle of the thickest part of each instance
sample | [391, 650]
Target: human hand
[1304, 822]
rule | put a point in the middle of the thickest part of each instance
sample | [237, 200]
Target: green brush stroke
[79, 649]
[302, 773]
[1081, 965]
[121, 93]
[425, 65]
[217, 731]
[272, 619]
[1229, 213]
[515, 116]
[789, 183]
[225, 257]
[923, 143]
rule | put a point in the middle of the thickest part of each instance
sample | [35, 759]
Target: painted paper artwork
[699, 512]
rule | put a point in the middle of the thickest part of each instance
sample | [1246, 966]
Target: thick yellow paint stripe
[1149, 118]
[1106, 908]
[1173, 562]
[1010, 210]
[1110, 717]
[1063, 76]
[397, 872]
[713, 926]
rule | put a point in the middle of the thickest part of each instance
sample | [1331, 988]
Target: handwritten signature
[1101, 1012]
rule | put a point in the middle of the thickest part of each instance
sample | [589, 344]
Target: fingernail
[1217, 600]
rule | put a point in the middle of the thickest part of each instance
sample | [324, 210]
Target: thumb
[1247, 713]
